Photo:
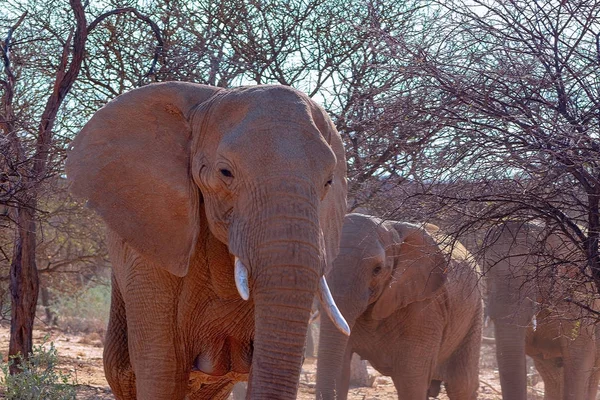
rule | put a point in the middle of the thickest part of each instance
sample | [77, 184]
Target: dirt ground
[81, 356]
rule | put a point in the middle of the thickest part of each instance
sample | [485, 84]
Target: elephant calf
[414, 307]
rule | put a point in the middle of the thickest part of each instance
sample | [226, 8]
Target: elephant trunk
[510, 353]
[333, 357]
[285, 268]
[282, 312]
[333, 363]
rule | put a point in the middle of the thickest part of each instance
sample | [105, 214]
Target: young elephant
[414, 307]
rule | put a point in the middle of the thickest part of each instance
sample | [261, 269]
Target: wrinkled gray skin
[186, 177]
[563, 346]
[415, 312]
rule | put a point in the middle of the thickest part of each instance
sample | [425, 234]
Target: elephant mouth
[198, 379]
[231, 359]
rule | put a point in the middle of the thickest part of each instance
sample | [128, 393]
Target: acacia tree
[42, 56]
[516, 85]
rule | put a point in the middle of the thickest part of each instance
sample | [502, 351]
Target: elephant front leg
[117, 366]
[411, 388]
[413, 374]
[156, 343]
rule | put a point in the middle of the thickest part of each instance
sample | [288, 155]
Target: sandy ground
[81, 356]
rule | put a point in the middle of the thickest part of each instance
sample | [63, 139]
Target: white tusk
[331, 309]
[313, 317]
[241, 279]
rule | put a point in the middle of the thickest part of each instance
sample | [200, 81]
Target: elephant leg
[411, 388]
[412, 376]
[551, 372]
[463, 379]
[595, 375]
[463, 369]
[117, 366]
[216, 391]
[156, 348]
[593, 386]
[579, 357]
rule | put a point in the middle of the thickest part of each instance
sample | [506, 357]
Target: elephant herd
[226, 216]
[413, 301]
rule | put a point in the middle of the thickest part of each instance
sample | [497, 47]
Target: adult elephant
[413, 303]
[530, 271]
[195, 182]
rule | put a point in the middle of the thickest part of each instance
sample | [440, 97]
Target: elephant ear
[131, 161]
[419, 270]
[334, 206]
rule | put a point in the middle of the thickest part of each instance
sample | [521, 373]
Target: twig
[155, 29]
[490, 386]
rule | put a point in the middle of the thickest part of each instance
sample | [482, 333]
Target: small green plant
[39, 379]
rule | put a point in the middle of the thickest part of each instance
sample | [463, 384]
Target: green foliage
[39, 378]
[84, 311]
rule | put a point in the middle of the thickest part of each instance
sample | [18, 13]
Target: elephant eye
[329, 182]
[226, 172]
[377, 270]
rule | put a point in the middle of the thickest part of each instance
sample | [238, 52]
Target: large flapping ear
[419, 269]
[131, 161]
[334, 206]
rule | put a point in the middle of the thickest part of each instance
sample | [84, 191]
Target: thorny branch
[155, 29]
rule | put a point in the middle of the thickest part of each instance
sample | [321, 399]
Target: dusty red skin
[187, 176]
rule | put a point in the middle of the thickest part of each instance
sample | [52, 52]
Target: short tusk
[331, 309]
[241, 279]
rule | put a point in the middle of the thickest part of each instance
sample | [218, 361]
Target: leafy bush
[84, 311]
[39, 378]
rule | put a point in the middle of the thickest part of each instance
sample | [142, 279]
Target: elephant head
[383, 266]
[263, 166]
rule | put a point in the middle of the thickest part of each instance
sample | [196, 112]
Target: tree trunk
[24, 286]
[359, 376]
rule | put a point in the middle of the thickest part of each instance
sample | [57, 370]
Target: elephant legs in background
[117, 366]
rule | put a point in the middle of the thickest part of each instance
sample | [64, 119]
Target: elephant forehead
[260, 104]
[263, 142]
[362, 247]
